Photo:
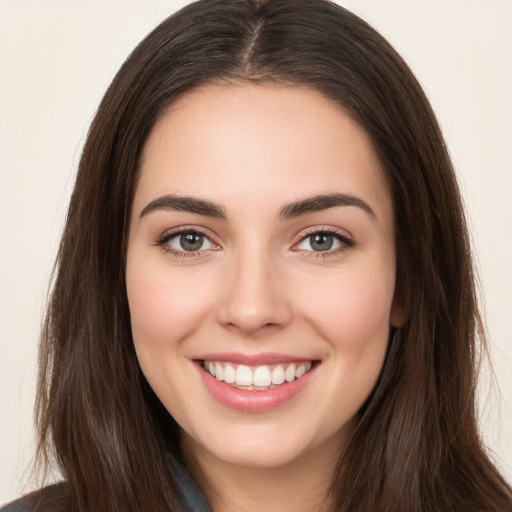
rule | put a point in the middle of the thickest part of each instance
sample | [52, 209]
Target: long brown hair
[417, 446]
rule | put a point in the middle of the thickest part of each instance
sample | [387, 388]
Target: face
[261, 271]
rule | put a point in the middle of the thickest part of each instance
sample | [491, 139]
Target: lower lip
[254, 401]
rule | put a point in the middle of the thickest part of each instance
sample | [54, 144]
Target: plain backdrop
[57, 58]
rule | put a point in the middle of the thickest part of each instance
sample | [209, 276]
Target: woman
[264, 294]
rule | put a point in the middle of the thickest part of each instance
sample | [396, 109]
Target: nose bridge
[255, 293]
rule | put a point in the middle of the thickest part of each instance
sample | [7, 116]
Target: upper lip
[252, 359]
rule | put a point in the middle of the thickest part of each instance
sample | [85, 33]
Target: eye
[190, 242]
[324, 241]
[185, 243]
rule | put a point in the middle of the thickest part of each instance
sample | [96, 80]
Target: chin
[264, 446]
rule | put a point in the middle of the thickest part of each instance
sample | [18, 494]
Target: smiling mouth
[256, 378]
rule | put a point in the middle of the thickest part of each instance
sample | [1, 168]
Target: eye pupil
[321, 242]
[191, 241]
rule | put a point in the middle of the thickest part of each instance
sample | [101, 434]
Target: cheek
[165, 307]
[353, 310]
[353, 315]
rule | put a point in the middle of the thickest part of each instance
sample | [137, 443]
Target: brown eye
[189, 241]
[321, 241]
[324, 241]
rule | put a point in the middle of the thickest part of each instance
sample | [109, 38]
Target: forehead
[259, 143]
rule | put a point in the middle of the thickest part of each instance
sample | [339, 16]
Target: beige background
[58, 56]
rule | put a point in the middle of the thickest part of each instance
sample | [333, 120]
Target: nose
[254, 296]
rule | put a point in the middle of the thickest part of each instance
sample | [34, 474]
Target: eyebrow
[185, 204]
[323, 202]
[288, 211]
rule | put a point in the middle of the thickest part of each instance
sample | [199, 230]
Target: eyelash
[343, 239]
[163, 242]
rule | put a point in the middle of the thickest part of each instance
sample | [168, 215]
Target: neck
[299, 486]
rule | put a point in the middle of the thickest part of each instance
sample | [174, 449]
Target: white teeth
[299, 372]
[289, 374]
[278, 375]
[258, 378]
[262, 376]
[302, 369]
[219, 372]
[229, 374]
[243, 376]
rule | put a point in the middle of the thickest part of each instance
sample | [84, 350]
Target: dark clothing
[50, 498]
[191, 497]
[54, 496]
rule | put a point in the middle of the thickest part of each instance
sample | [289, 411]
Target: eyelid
[169, 234]
[347, 241]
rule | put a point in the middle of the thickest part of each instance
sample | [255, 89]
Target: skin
[257, 285]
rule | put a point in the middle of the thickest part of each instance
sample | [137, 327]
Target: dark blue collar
[191, 497]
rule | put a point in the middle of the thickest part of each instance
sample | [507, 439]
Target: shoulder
[53, 498]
